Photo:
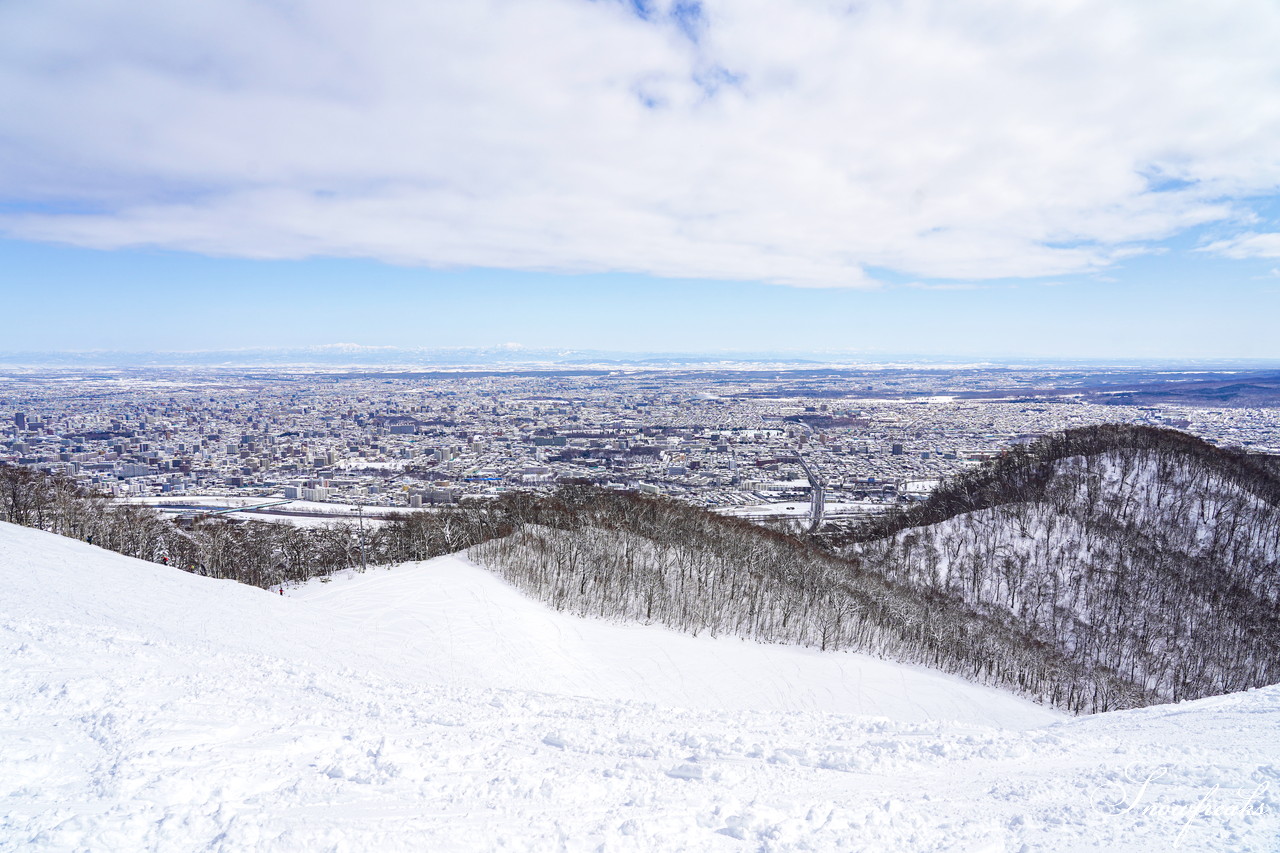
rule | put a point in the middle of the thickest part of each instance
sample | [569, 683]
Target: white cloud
[1250, 245]
[800, 143]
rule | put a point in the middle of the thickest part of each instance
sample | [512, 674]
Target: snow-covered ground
[222, 502]
[799, 508]
[451, 622]
[318, 514]
[432, 707]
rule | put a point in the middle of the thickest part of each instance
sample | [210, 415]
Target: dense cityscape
[750, 442]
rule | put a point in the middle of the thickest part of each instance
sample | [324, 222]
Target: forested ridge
[1025, 473]
[657, 560]
[1146, 551]
[1095, 569]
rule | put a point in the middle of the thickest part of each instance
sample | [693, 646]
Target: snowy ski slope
[430, 706]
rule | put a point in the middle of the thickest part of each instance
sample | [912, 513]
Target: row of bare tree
[257, 553]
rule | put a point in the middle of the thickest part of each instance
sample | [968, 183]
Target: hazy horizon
[338, 355]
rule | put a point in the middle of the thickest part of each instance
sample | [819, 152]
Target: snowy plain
[430, 706]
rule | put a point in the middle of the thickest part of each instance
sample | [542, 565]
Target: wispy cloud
[1249, 245]
[795, 143]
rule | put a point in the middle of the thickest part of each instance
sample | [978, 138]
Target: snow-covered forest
[1145, 552]
[660, 561]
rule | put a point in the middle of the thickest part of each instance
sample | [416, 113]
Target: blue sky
[1087, 179]
[1158, 306]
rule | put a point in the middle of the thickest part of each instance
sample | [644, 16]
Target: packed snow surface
[430, 706]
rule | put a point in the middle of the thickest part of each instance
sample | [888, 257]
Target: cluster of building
[715, 438]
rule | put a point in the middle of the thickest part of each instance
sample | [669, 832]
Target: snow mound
[450, 621]
[431, 707]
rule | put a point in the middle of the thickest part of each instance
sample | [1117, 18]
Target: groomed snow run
[432, 707]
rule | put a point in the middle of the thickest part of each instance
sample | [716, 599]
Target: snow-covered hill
[432, 707]
[449, 621]
[1147, 560]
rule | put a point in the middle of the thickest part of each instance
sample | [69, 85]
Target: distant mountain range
[350, 355]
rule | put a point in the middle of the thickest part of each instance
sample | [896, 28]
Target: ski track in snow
[432, 707]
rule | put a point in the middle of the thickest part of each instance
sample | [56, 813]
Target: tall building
[20, 419]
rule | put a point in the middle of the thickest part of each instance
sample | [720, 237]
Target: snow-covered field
[321, 514]
[431, 707]
[799, 508]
